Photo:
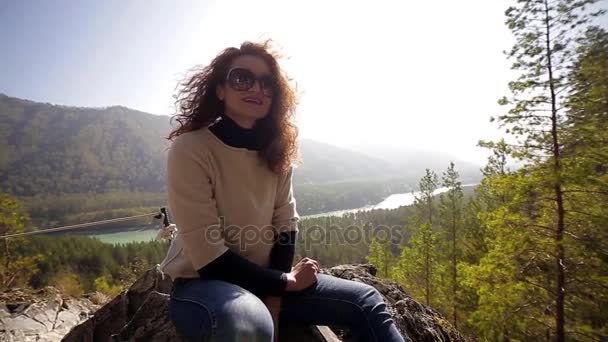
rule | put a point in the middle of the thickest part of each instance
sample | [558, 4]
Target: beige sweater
[222, 197]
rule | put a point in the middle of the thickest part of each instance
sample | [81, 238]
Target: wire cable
[76, 226]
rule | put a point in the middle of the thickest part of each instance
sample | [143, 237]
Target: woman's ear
[219, 92]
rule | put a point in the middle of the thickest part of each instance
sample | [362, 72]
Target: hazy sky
[412, 73]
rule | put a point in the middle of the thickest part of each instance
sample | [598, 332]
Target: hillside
[75, 164]
[412, 160]
[323, 162]
[52, 149]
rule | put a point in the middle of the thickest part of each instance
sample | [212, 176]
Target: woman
[229, 183]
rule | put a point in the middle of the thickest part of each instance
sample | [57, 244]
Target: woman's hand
[302, 275]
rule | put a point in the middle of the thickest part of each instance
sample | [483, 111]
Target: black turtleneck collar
[231, 134]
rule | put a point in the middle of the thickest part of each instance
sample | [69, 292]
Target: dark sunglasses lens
[241, 79]
[268, 84]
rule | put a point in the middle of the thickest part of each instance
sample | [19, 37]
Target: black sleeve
[283, 252]
[236, 269]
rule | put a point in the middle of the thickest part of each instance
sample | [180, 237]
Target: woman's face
[247, 92]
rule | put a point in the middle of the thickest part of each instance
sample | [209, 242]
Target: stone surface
[141, 313]
[40, 315]
[418, 321]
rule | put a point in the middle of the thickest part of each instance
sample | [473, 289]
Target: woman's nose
[256, 86]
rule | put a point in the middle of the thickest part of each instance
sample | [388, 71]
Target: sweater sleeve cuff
[285, 281]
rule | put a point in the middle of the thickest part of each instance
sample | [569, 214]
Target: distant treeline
[84, 264]
[47, 211]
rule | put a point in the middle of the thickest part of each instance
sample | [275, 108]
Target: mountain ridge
[54, 148]
[79, 164]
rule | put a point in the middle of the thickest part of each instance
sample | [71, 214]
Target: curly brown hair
[198, 106]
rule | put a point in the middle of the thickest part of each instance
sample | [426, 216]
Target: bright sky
[412, 73]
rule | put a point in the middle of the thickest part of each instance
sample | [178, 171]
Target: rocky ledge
[141, 313]
[43, 315]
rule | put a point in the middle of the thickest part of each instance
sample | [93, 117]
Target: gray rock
[12, 336]
[114, 317]
[141, 313]
[40, 315]
[418, 321]
[26, 325]
[4, 312]
[45, 311]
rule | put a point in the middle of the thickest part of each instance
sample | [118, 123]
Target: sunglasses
[242, 79]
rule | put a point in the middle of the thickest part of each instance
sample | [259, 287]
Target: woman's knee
[375, 321]
[244, 318]
[369, 299]
[210, 310]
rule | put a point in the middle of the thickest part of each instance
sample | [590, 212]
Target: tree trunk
[7, 263]
[454, 275]
[559, 233]
[428, 269]
[428, 250]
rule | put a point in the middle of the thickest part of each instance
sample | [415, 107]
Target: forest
[526, 258]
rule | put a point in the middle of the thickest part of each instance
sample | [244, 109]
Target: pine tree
[488, 196]
[490, 290]
[544, 31]
[585, 156]
[15, 269]
[381, 256]
[416, 269]
[424, 203]
[428, 185]
[417, 262]
[450, 208]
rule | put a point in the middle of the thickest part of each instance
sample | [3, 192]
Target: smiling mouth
[252, 100]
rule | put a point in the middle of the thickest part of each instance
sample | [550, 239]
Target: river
[391, 202]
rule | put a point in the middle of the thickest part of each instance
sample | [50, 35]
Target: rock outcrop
[418, 321]
[41, 315]
[141, 313]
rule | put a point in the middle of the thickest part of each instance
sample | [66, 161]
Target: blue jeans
[214, 310]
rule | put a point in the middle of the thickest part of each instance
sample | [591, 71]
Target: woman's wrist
[290, 280]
